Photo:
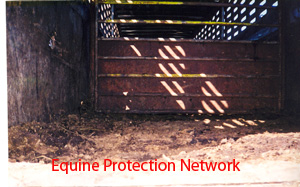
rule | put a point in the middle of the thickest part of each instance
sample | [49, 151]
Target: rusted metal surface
[213, 86]
[155, 76]
[187, 49]
[227, 67]
[179, 104]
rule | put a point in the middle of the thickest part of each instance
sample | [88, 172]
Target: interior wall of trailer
[291, 25]
[46, 77]
[43, 81]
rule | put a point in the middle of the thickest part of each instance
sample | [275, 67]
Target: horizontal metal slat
[174, 86]
[182, 58]
[159, 75]
[181, 40]
[224, 96]
[180, 22]
[133, 2]
[186, 50]
[184, 104]
[231, 67]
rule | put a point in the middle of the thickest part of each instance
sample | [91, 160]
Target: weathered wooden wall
[41, 81]
[292, 56]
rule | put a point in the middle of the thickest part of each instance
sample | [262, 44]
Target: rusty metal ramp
[186, 76]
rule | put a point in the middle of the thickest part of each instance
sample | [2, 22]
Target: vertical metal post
[93, 51]
[92, 48]
[96, 51]
[222, 20]
[281, 19]
[222, 27]
[112, 17]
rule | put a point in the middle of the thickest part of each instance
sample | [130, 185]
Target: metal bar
[112, 17]
[228, 112]
[136, 39]
[187, 95]
[93, 53]
[183, 76]
[281, 17]
[133, 2]
[187, 59]
[223, 27]
[178, 22]
[157, 15]
[141, 31]
[96, 27]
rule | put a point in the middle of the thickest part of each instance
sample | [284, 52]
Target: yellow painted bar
[141, 2]
[178, 22]
[158, 75]
[134, 2]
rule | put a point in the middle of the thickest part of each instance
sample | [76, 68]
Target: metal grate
[232, 19]
[106, 30]
[247, 14]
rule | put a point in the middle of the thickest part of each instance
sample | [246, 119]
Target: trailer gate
[168, 75]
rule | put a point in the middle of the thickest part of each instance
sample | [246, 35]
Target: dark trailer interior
[194, 57]
[137, 80]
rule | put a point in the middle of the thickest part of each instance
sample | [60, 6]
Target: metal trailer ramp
[187, 76]
[168, 75]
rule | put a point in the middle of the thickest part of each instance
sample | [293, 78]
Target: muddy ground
[122, 137]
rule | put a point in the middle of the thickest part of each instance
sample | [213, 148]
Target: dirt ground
[121, 137]
[143, 137]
